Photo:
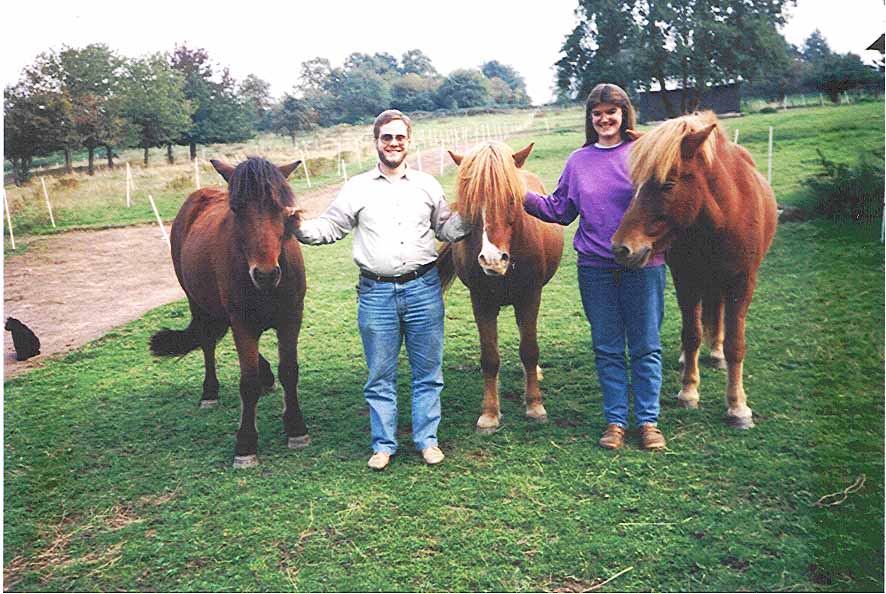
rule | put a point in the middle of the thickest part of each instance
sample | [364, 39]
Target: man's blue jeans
[626, 305]
[387, 313]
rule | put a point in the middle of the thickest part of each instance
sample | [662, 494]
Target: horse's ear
[633, 134]
[692, 142]
[521, 156]
[286, 170]
[457, 158]
[223, 169]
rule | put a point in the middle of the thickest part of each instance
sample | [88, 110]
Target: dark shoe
[651, 437]
[613, 438]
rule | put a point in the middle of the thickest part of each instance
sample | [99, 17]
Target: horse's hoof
[245, 461]
[717, 363]
[740, 422]
[538, 414]
[488, 424]
[687, 402]
[300, 442]
[208, 403]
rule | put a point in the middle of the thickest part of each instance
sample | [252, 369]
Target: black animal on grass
[24, 340]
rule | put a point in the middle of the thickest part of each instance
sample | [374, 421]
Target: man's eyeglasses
[389, 138]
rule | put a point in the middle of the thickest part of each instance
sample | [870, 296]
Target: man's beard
[391, 164]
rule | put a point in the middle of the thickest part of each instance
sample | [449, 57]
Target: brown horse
[700, 197]
[236, 258]
[506, 260]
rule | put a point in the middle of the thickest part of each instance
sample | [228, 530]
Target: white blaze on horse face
[491, 257]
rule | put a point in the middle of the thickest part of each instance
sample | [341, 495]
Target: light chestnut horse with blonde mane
[506, 260]
[700, 198]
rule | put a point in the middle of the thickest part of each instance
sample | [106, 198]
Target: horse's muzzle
[624, 256]
[265, 281]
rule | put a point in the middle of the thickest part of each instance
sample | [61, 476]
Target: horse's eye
[668, 186]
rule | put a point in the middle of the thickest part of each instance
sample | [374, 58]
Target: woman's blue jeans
[388, 313]
[626, 306]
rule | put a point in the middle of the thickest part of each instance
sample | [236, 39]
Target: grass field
[114, 479]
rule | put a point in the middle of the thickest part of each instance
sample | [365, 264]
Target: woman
[621, 305]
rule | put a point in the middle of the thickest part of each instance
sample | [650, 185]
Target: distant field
[114, 479]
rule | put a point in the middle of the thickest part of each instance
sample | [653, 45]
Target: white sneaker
[432, 455]
[379, 461]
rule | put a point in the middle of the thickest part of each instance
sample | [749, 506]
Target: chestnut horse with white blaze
[240, 266]
[506, 260]
[700, 198]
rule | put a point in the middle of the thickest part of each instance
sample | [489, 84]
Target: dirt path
[74, 287]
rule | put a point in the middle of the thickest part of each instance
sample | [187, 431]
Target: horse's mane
[489, 179]
[656, 153]
[256, 179]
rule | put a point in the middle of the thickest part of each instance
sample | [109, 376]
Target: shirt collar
[406, 174]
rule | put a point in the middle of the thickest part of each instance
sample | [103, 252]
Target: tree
[382, 64]
[463, 88]
[35, 122]
[154, 103]
[838, 73]
[414, 61]
[293, 115]
[692, 44]
[495, 69]
[257, 93]
[413, 92]
[220, 114]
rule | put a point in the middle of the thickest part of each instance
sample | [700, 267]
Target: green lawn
[114, 479]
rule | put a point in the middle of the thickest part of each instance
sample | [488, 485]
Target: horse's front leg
[526, 315]
[246, 341]
[293, 421]
[738, 414]
[712, 320]
[689, 299]
[486, 316]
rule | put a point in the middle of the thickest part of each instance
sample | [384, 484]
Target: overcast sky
[272, 39]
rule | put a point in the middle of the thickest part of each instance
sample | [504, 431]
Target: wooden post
[418, 157]
[197, 172]
[159, 220]
[769, 176]
[8, 221]
[735, 140]
[48, 204]
[344, 170]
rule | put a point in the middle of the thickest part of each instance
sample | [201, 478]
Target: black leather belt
[403, 278]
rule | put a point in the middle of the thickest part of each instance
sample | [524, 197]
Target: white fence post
[735, 140]
[159, 220]
[48, 204]
[769, 176]
[304, 162]
[8, 221]
[197, 172]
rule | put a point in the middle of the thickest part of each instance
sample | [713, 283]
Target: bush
[849, 191]
[769, 109]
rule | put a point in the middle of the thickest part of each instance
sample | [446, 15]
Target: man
[395, 213]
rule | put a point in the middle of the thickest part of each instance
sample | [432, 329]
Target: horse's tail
[446, 266]
[168, 342]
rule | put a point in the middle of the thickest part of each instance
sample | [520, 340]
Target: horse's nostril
[505, 257]
[481, 259]
[620, 251]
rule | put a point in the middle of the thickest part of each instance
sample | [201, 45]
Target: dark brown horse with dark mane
[700, 197]
[237, 260]
[506, 260]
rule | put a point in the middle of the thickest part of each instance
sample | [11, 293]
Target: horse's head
[668, 166]
[264, 211]
[490, 196]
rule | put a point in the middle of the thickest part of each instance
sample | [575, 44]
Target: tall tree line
[644, 45]
[92, 99]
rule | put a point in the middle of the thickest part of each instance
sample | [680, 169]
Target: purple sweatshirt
[596, 185]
